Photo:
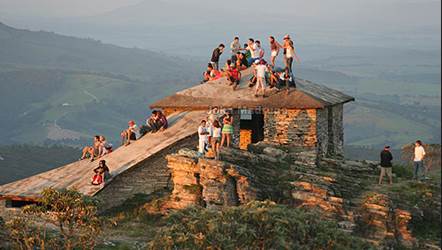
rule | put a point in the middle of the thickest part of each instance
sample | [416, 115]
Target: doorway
[252, 127]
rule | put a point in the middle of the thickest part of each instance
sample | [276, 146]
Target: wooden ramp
[78, 175]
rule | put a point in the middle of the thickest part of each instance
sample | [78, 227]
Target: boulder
[188, 153]
[274, 152]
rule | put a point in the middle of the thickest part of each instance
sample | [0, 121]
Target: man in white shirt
[259, 49]
[203, 137]
[254, 52]
[260, 73]
[418, 160]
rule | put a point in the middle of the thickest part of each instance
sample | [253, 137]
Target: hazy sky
[59, 8]
[151, 23]
[66, 8]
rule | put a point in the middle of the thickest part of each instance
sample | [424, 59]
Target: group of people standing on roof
[215, 132]
[252, 54]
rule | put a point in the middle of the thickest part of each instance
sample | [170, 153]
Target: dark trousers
[418, 167]
[289, 63]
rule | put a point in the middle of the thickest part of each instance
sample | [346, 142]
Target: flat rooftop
[307, 95]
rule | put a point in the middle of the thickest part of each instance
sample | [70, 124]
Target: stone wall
[322, 131]
[336, 142]
[330, 132]
[236, 127]
[290, 127]
[147, 177]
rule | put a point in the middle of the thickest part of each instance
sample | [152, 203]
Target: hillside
[49, 50]
[20, 161]
[68, 89]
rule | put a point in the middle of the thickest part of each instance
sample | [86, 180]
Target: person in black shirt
[386, 166]
[241, 61]
[216, 54]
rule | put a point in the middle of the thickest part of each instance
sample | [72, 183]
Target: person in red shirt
[234, 76]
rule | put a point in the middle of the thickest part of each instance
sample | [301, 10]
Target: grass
[420, 198]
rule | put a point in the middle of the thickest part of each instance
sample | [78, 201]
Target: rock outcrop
[208, 183]
[345, 191]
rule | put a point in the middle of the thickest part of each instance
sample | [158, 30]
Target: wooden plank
[78, 174]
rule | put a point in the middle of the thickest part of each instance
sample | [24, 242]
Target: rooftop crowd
[252, 54]
[216, 131]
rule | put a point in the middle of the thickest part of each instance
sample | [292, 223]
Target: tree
[62, 219]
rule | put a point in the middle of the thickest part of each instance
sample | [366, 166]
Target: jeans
[418, 167]
[289, 62]
[252, 60]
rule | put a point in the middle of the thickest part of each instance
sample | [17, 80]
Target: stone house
[309, 117]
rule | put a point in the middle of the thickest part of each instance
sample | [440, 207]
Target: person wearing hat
[289, 52]
[386, 165]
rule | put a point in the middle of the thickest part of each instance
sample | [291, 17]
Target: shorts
[216, 140]
[386, 171]
[274, 53]
[227, 129]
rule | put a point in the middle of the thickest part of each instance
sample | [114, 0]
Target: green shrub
[63, 219]
[403, 171]
[258, 225]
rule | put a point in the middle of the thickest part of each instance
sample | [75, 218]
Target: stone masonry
[147, 177]
[290, 127]
[207, 183]
[310, 128]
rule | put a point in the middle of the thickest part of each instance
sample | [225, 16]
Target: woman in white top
[290, 53]
[216, 138]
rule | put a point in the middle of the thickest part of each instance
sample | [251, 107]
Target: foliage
[72, 216]
[257, 225]
[423, 200]
[402, 171]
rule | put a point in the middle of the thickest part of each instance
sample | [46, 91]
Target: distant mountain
[50, 50]
[59, 88]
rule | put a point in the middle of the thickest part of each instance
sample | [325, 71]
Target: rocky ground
[403, 214]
